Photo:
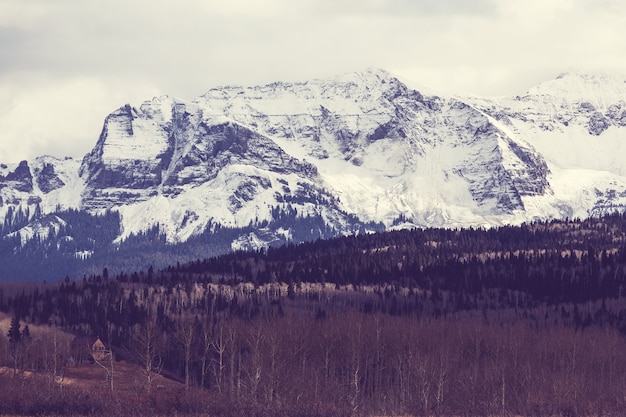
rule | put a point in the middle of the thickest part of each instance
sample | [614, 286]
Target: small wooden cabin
[88, 348]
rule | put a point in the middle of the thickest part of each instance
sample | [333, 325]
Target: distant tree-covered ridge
[554, 262]
[76, 243]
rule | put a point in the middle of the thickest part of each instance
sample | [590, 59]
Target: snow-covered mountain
[359, 151]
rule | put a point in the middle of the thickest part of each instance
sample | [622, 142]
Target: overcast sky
[66, 64]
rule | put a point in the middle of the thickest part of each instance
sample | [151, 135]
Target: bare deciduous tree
[106, 363]
[184, 337]
[218, 345]
[147, 348]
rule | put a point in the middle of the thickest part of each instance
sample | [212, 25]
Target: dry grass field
[128, 379]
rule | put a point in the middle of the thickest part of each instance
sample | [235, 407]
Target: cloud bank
[67, 63]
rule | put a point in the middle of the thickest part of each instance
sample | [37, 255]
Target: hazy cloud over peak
[90, 57]
[407, 7]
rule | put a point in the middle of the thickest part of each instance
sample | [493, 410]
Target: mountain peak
[372, 73]
[370, 79]
[359, 151]
[575, 87]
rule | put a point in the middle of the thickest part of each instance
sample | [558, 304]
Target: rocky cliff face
[576, 123]
[20, 179]
[357, 149]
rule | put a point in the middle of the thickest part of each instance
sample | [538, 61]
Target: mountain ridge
[357, 152]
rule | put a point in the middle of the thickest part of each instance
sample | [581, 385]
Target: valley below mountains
[246, 168]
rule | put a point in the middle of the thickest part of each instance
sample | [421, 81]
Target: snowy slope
[357, 148]
[577, 123]
[384, 149]
[47, 182]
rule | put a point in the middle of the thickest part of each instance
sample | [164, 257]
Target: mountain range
[242, 168]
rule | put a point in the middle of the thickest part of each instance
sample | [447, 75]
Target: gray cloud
[129, 50]
[407, 7]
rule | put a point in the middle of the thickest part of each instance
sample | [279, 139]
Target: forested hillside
[514, 320]
[75, 243]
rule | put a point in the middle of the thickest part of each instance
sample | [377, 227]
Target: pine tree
[25, 333]
[15, 337]
[14, 334]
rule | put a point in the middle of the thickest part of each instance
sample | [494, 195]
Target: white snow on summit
[361, 144]
[599, 90]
